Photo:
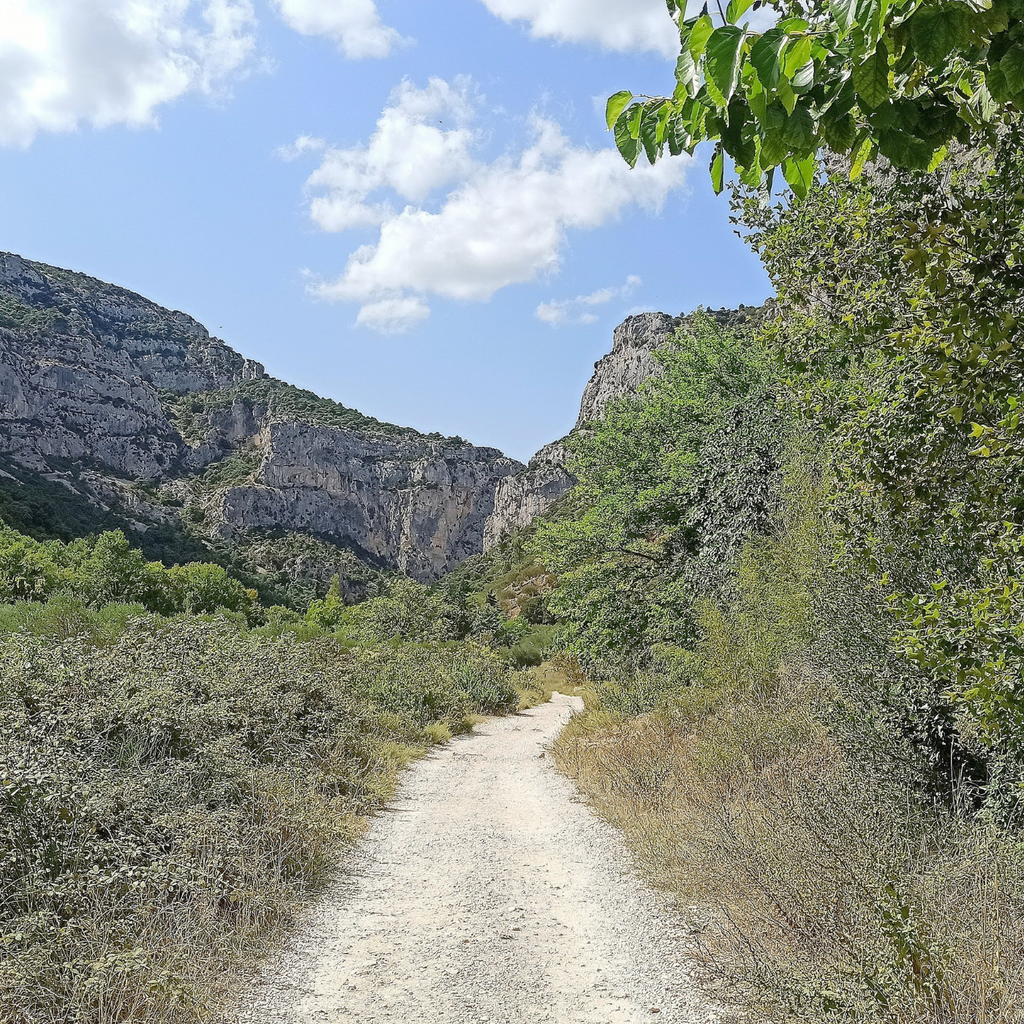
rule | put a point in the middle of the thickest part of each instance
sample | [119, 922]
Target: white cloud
[422, 141]
[354, 25]
[64, 63]
[630, 25]
[302, 145]
[624, 25]
[394, 315]
[560, 312]
[505, 222]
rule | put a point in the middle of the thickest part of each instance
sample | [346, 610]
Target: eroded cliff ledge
[139, 412]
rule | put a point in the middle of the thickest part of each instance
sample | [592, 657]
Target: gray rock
[630, 362]
[84, 371]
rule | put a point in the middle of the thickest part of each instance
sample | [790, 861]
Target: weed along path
[487, 893]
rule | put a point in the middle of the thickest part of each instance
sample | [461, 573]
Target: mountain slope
[144, 420]
[530, 493]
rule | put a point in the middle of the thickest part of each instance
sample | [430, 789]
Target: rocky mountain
[117, 412]
[520, 499]
[138, 417]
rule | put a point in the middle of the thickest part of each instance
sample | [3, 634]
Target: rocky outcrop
[82, 365]
[103, 391]
[520, 499]
[416, 504]
[630, 362]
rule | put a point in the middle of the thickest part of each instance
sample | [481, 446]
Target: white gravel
[486, 893]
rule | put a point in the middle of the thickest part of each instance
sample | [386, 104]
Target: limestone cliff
[520, 499]
[136, 410]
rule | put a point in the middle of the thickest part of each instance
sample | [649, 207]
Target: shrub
[172, 794]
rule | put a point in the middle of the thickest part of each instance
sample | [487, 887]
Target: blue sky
[423, 264]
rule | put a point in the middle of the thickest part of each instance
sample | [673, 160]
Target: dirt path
[487, 893]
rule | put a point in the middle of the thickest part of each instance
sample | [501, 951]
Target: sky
[410, 206]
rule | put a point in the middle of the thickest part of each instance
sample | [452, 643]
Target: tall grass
[171, 792]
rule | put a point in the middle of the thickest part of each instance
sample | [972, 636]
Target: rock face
[81, 367]
[630, 362]
[102, 390]
[522, 498]
[416, 504]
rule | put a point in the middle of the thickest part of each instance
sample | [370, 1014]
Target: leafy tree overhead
[900, 78]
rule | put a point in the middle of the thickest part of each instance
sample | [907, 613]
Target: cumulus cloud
[496, 223]
[302, 145]
[394, 315]
[625, 25]
[64, 63]
[411, 153]
[354, 25]
[560, 312]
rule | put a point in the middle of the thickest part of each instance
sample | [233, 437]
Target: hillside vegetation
[791, 577]
[181, 767]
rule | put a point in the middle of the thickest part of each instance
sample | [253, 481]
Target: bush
[183, 786]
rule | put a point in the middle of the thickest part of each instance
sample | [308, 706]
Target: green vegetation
[105, 569]
[171, 793]
[790, 581]
[181, 767]
[283, 402]
[902, 79]
[15, 315]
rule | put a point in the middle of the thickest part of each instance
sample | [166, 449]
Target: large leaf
[1012, 67]
[934, 34]
[627, 145]
[699, 36]
[845, 13]
[799, 130]
[616, 105]
[736, 10]
[723, 58]
[765, 56]
[686, 72]
[803, 78]
[799, 174]
[840, 131]
[718, 170]
[798, 53]
[871, 77]
[861, 155]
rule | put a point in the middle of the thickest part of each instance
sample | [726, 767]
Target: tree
[900, 78]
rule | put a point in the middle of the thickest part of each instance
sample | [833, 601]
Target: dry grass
[536, 685]
[824, 891]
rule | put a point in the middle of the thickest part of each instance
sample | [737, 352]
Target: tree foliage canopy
[900, 78]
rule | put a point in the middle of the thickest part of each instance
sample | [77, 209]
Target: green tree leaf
[699, 36]
[934, 33]
[871, 77]
[799, 174]
[616, 105]
[628, 146]
[718, 170]
[1012, 67]
[686, 73]
[844, 11]
[765, 56]
[736, 10]
[724, 53]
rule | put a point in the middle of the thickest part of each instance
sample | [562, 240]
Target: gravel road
[487, 892]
